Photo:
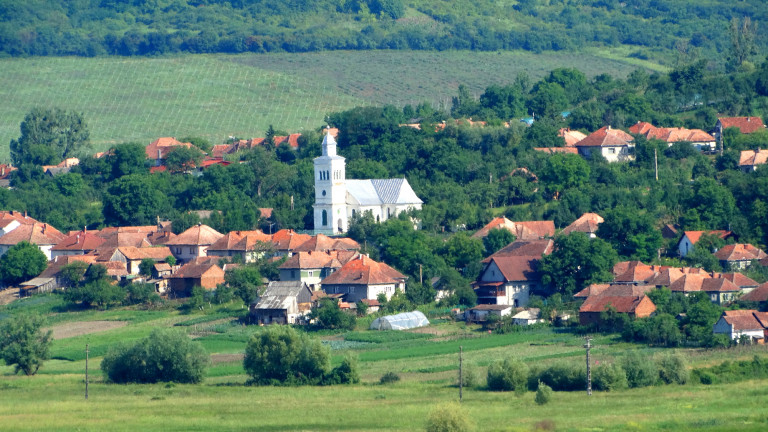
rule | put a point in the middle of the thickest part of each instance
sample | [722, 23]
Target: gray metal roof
[382, 191]
[284, 288]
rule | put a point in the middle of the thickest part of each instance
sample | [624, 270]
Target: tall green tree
[633, 234]
[22, 262]
[576, 262]
[23, 344]
[50, 135]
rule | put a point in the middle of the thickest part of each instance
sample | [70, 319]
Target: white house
[337, 199]
[738, 323]
[614, 145]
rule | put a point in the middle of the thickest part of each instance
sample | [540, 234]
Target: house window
[325, 218]
[293, 274]
[311, 273]
[192, 251]
[611, 150]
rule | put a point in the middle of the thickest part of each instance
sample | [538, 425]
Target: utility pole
[589, 368]
[461, 376]
[420, 276]
[86, 371]
[656, 163]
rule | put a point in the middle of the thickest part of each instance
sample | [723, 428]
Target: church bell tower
[330, 190]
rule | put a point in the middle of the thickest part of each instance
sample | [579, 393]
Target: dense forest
[659, 29]
[465, 174]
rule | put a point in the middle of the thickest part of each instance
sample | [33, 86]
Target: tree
[145, 266]
[633, 234]
[496, 239]
[448, 417]
[564, 171]
[461, 250]
[330, 316]
[246, 282]
[23, 343]
[508, 375]
[126, 159]
[21, 262]
[280, 355]
[183, 159]
[548, 100]
[165, 355]
[48, 136]
[576, 262]
[135, 199]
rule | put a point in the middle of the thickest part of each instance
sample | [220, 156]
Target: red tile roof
[671, 135]
[37, 233]
[759, 294]
[753, 157]
[606, 137]
[517, 268]
[532, 248]
[288, 240]
[586, 223]
[198, 235]
[525, 230]
[666, 277]
[623, 304]
[319, 260]
[746, 319]
[719, 285]
[194, 270]
[79, 241]
[740, 280]
[740, 252]
[155, 253]
[159, 148]
[571, 137]
[266, 212]
[641, 128]
[364, 271]
[688, 283]
[746, 125]
[694, 236]
[321, 242]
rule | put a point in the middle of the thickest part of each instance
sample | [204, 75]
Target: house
[528, 317]
[508, 280]
[699, 139]
[287, 240]
[284, 302]
[689, 283]
[5, 175]
[206, 275]
[739, 255]
[158, 149]
[37, 285]
[613, 290]
[746, 125]
[586, 223]
[690, 238]
[720, 290]
[312, 267]
[249, 246]
[193, 243]
[44, 236]
[337, 199]
[481, 312]
[614, 145]
[743, 323]
[745, 284]
[758, 295]
[77, 243]
[364, 278]
[526, 230]
[132, 256]
[321, 242]
[634, 306]
[633, 272]
[750, 159]
[666, 277]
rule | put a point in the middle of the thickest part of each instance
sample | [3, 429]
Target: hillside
[655, 29]
[215, 96]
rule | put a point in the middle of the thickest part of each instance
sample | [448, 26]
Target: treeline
[143, 27]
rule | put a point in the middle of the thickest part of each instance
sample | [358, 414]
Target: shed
[402, 321]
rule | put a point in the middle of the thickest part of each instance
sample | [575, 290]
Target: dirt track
[79, 328]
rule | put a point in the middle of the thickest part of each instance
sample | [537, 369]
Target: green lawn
[427, 364]
[215, 96]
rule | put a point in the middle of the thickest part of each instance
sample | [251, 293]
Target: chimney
[44, 227]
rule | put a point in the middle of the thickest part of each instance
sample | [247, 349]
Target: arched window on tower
[325, 218]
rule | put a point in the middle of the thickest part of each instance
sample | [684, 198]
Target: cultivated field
[215, 96]
[427, 361]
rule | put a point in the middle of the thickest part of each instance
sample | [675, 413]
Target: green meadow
[217, 96]
[425, 359]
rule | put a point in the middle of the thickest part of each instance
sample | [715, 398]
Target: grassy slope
[214, 96]
[53, 399]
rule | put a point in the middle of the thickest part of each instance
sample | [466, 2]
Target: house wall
[645, 308]
[518, 293]
[685, 246]
[186, 253]
[57, 253]
[355, 293]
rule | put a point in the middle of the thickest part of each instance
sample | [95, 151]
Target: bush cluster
[165, 355]
[508, 375]
[729, 371]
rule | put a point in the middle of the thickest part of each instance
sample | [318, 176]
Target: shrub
[282, 356]
[468, 378]
[672, 369]
[139, 293]
[389, 377]
[706, 378]
[609, 376]
[641, 370]
[345, 373]
[165, 355]
[562, 377]
[543, 394]
[449, 417]
[508, 375]
[329, 316]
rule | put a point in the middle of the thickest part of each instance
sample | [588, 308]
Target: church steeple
[329, 144]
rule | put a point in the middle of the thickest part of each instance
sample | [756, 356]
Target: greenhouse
[401, 321]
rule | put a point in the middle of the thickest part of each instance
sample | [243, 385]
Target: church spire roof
[329, 143]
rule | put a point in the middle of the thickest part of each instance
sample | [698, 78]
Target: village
[324, 264]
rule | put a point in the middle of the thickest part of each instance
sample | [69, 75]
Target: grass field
[215, 96]
[426, 360]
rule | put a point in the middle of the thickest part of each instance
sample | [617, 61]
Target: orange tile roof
[364, 271]
[623, 304]
[321, 242]
[694, 236]
[265, 212]
[79, 241]
[155, 253]
[746, 125]
[198, 235]
[606, 137]
[746, 319]
[571, 137]
[759, 294]
[531, 248]
[739, 252]
[719, 285]
[586, 223]
[688, 283]
[318, 260]
[753, 157]
[592, 290]
[641, 128]
[666, 277]
[159, 148]
[517, 268]
[524, 230]
[37, 233]
[196, 270]
[288, 240]
[740, 280]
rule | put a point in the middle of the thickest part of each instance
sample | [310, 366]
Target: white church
[337, 199]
